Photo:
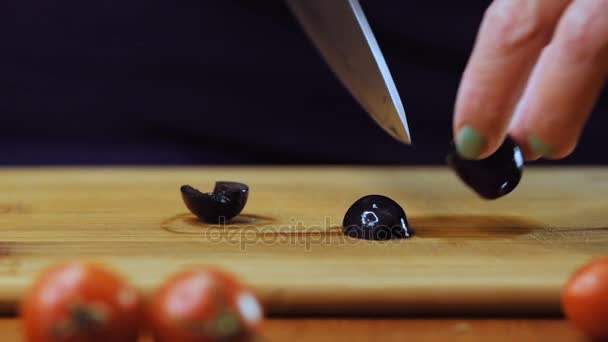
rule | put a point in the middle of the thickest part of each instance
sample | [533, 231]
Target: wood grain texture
[360, 330]
[469, 256]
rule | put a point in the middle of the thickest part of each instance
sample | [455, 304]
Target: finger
[566, 82]
[511, 37]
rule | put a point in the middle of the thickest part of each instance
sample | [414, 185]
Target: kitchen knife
[344, 38]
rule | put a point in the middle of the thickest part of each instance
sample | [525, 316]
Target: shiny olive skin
[494, 176]
[376, 217]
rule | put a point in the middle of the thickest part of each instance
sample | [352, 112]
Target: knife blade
[341, 33]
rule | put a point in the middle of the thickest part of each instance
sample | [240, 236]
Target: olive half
[494, 176]
[225, 202]
[376, 217]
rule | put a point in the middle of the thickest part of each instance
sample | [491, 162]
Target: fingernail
[539, 147]
[470, 144]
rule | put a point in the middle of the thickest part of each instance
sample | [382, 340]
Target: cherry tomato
[585, 298]
[204, 305]
[80, 302]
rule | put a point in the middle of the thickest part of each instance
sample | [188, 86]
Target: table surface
[354, 330]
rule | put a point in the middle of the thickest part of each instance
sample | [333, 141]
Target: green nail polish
[539, 147]
[470, 144]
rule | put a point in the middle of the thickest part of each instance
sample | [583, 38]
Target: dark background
[223, 82]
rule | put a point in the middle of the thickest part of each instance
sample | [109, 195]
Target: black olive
[376, 217]
[494, 176]
[225, 202]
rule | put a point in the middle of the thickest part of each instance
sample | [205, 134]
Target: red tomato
[80, 302]
[585, 298]
[204, 305]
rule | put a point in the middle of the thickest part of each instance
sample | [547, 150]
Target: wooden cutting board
[468, 256]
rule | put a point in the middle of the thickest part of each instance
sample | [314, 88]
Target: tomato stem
[83, 319]
[226, 324]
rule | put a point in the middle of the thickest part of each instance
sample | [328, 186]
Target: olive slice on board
[225, 202]
[376, 217]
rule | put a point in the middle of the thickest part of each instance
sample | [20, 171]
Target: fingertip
[550, 150]
[540, 147]
[474, 143]
[470, 144]
[521, 139]
[535, 145]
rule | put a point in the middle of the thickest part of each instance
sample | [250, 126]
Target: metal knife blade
[344, 38]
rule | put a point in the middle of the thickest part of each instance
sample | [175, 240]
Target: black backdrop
[223, 82]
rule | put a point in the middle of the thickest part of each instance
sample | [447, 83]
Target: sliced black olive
[376, 217]
[234, 188]
[225, 202]
[494, 176]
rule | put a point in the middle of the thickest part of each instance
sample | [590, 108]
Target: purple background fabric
[224, 82]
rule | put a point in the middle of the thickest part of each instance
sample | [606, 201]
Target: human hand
[536, 72]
